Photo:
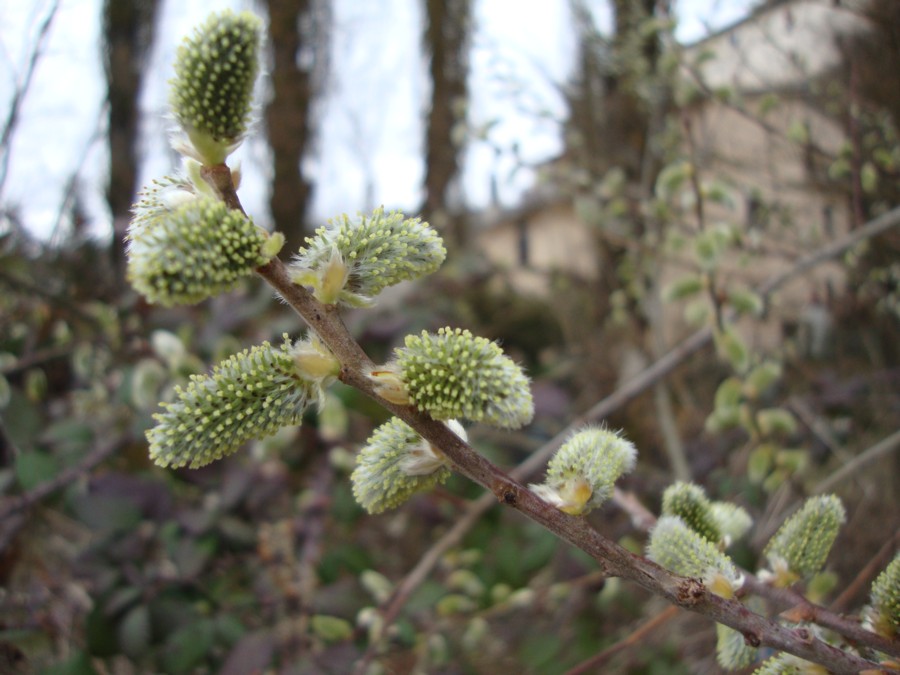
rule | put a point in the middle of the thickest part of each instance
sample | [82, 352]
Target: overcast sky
[371, 137]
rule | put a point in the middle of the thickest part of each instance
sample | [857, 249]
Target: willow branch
[612, 559]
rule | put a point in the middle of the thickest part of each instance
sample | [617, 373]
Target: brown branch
[612, 559]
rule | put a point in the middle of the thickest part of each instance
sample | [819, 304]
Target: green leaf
[69, 435]
[79, 664]
[331, 628]
[187, 647]
[684, 287]
[105, 513]
[35, 467]
[134, 632]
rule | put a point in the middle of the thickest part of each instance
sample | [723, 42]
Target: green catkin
[452, 374]
[884, 609]
[395, 464]
[581, 475]
[800, 546]
[211, 93]
[690, 503]
[250, 395]
[680, 549]
[198, 249]
[350, 262]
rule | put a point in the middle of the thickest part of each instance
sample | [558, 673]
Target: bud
[250, 395]
[211, 93]
[583, 472]
[801, 545]
[199, 249]
[350, 262]
[453, 374]
[395, 464]
[678, 548]
[315, 362]
[883, 614]
[689, 502]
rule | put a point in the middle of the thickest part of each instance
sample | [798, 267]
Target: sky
[370, 142]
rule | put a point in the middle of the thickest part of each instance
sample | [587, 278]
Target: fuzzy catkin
[804, 541]
[211, 93]
[582, 474]
[198, 249]
[350, 262]
[250, 395]
[452, 374]
[395, 464]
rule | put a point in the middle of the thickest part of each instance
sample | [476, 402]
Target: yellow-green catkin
[349, 262]
[801, 545]
[690, 503]
[197, 250]
[395, 464]
[211, 93]
[250, 395]
[680, 549]
[452, 374]
[581, 475]
[883, 614]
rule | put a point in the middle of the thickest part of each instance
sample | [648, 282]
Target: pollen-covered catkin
[211, 93]
[198, 249]
[250, 395]
[349, 262]
[452, 374]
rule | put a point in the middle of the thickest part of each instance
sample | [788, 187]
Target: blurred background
[609, 176]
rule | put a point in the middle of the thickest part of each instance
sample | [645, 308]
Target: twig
[11, 509]
[89, 461]
[883, 447]
[589, 665]
[801, 610]
[21, 90]
[867, 573]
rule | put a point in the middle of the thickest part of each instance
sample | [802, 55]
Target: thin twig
[12, 509]
[590, 665]
[21, 90]
[883, 447]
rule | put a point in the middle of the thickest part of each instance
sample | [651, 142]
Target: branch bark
[612, 559]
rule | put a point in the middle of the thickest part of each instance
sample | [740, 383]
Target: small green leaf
[134, 632]
[331, 628]
[35, 467]
[684, 287]
[745, 301]
[772, 421]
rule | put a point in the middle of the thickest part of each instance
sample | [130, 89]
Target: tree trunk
[128, 28]
[298, 40]
[446, 43]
